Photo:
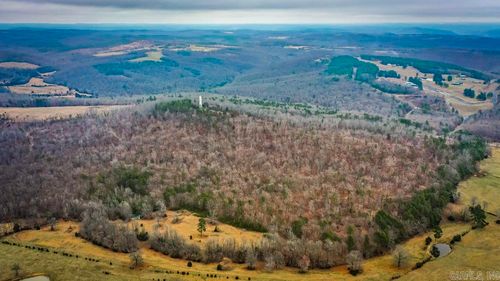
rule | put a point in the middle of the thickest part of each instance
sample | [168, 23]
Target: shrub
[354, 260]
[142, 235]
[189, 264]
[388, 74]
[469, 93]
[177, 219]
[428, 240]
[456, 238]
[191, 252]
[438, 232]
[213, 252]
[96, 228]
[481, 96]
[136, 259]
[304, 263]
[171, 243]
[435, 251]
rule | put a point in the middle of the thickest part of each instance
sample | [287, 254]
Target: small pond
[444, 249]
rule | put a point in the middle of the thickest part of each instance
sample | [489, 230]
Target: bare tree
[304, 263]
[136, 259]
[250, 258]
[269, 265]
[400, 257]
[52, 223]
[354, 262]
[16, 268]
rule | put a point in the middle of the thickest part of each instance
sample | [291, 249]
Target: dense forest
[321, 185]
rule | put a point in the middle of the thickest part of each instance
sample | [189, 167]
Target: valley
[248, 152]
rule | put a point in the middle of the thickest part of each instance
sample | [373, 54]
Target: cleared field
[154, 55]
[43, 113]
[469, 109]
[188, 227]
[36, 86]
[485, 187]
[125, 49]
[479, 251]
[200, 48]
[453, 94]
[18, 65]
[294, 47]
[64, 240]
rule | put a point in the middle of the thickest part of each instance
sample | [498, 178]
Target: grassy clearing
[125, 49]
[19, 65]
[187, 228]
[154, 55]
[56, 112]
[453, 94]
[36, 86]
[479, 250]
[486, 186]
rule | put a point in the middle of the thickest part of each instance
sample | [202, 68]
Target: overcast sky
[248, 11]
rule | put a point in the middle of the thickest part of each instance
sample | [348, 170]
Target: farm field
[453, 94]
[19, 65]
[200, 48]
[479, 250]
[124, 49]
[37, 86]
[56, 112]
[154, 55]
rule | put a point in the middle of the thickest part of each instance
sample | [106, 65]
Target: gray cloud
[385, 6]
[258, 11]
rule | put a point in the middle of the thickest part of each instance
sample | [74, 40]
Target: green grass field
[479, 250]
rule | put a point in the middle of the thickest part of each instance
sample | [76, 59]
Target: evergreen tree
[202, 226]
[351, 244]
[478, 216]
[438, 79]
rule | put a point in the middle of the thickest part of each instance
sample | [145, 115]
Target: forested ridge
[324, 183]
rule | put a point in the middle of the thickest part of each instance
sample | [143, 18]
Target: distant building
[200, 102]
[411, 84]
